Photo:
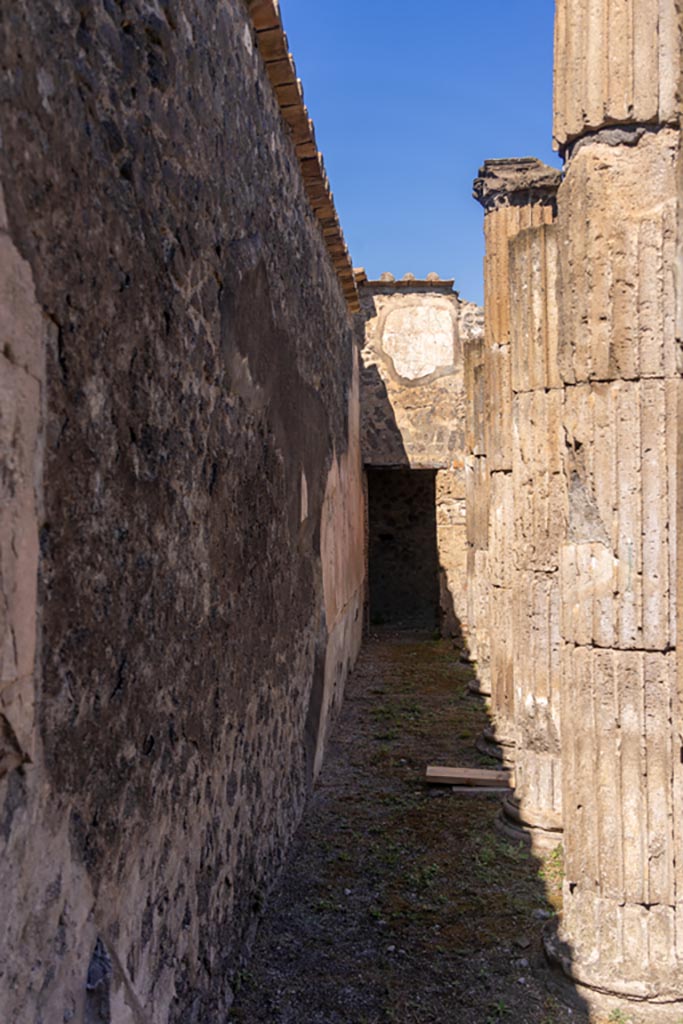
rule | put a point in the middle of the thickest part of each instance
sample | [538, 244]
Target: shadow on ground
[400, 902]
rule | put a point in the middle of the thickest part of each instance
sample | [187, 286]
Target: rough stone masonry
[181, 502]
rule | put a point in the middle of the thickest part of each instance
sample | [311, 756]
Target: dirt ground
[400, 902]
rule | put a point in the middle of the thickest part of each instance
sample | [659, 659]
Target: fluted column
[477, 512]
[620, 935]
[516, 195]
[539, 499]
[616, 62]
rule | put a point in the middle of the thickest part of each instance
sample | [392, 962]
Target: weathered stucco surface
[199, 586]
[23, 330]
[413, 398]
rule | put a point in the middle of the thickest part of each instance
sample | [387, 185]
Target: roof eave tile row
[273, 47]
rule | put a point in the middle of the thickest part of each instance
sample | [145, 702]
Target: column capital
[518, 181]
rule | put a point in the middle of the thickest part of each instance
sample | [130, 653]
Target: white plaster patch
[247, 39]
[419, 339]
[187, 27]
[46, 88]
[304, 497]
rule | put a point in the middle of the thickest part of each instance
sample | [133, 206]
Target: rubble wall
[182, 549]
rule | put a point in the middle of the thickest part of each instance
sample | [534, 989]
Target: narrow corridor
[401, 903]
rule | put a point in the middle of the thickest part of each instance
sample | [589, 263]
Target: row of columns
[574, 471]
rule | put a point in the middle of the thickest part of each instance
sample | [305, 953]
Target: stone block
[501, 530]
[501, 633]
[478, 608]
[498, 430]
[621, 752]
[537, 679]
[617, 242]
[475, 396]
[477, 501]
[618, 587]
[450, 495]
[539, 485]
[533, 260]
[507, 217]
[451, 540]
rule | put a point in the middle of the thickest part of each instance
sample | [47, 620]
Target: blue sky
[408, 99]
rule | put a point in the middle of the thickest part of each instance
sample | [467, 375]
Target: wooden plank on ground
[444, 776]
[481, 791]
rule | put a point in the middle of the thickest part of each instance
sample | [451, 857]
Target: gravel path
[400, 902]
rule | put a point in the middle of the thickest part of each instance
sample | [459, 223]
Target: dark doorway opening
[403, 568]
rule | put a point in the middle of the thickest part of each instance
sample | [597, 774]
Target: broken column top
[515, 180]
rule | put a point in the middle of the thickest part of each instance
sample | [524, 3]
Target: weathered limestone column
[477, 513]
[515, 195]
[620, 937]
[539, 498]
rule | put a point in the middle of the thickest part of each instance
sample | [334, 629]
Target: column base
[491, 744]
[569, 983]
[541, 833]
[481, 687]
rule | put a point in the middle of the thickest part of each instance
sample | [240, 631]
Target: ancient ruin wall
[413, 405]
[179, 435]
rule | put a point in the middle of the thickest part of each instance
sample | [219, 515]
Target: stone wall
[182, 537]
[413, 405]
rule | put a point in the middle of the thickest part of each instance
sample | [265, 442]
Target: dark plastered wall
[199, 370]
[403, 560]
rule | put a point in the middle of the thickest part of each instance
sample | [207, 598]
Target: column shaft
[620, 713]
[516, 195]
[477, 515]
[616, 62]
[539, 500]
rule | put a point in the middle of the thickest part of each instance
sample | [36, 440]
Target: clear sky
[409, 97]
